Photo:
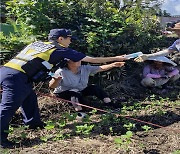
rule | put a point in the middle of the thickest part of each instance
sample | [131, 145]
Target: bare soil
[140, 103]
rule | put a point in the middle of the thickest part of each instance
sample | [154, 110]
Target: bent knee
[175, 77]
[148, 82]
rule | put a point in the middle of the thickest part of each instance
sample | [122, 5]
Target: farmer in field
[159, 71]
[174, 47]
[32, 64]
[71, 82]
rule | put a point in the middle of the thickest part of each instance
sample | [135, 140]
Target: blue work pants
[17, 92]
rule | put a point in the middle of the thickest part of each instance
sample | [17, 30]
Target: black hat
[56, 33]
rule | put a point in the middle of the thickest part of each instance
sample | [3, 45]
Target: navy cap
[73, 55]
[56, 33]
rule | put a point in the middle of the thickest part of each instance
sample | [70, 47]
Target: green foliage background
[103, 28]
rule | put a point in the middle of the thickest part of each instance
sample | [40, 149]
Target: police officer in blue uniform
[32, 64]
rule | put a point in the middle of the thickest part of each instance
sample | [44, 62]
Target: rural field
[147, 123]
[141, 121]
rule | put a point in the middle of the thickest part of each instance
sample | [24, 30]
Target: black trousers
[92, 90]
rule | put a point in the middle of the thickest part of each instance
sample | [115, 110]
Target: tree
[104, 27]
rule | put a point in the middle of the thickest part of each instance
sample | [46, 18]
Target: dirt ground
[165, 140]
[108, 135]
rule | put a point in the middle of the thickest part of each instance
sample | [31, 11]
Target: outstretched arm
[103, 59]
[110, 66]
[160, 53]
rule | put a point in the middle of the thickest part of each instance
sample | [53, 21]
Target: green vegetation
[124, 140]
[7, 28]
[103, 126]
[103, 28]
[146, 128]
[176, 152]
